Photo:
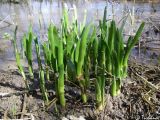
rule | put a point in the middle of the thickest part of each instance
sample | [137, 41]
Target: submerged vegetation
[78, 52]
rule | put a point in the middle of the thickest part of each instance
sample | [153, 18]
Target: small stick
[11, 94]
[17, 93]
[148, 83]
[50, 104]
[1, 21]
[24, 106]
[5, 115]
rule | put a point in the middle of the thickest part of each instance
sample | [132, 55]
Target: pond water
[40, 13]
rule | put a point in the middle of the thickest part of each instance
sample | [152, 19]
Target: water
[40, 14]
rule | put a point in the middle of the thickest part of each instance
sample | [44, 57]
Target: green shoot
[27, 45]
[17, 55]
[41, 72]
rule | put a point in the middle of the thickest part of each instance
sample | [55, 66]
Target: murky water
[40, 14]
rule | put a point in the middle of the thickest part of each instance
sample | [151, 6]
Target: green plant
[56, 40]
[27, 45]
[78, 52]
[99, 56]
[120, 57]
[52, 39]
[81, 52]
[42, 86]
[75, 51]
[112, 57]
[41, 72]
[17, 55]
[47, 59]
[60, 82]
[100, 81]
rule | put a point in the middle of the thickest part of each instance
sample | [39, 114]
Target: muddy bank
[139, 98]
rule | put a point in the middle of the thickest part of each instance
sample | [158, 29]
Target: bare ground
[139, 98]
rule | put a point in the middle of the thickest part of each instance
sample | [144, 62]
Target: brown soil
[138, 99]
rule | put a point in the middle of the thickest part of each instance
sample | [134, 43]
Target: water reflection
[41, 12]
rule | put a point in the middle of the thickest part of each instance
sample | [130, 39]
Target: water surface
[40, 14]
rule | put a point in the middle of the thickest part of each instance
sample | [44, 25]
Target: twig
[146, 81]
[145, 98]
[72, 83]
[50, 104]
[24, 106]
[151, 48]
[5, 115]
[151, 39]
[29, 115]
[11, 94]
[150, 21]
[5, 21]
[18, 93]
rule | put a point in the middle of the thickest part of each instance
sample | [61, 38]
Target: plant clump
[76, 52]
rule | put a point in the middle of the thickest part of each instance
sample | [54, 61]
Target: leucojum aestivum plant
[41, 71]
[18, 60]
[112, 56]
[27, 47]
[78, 53]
